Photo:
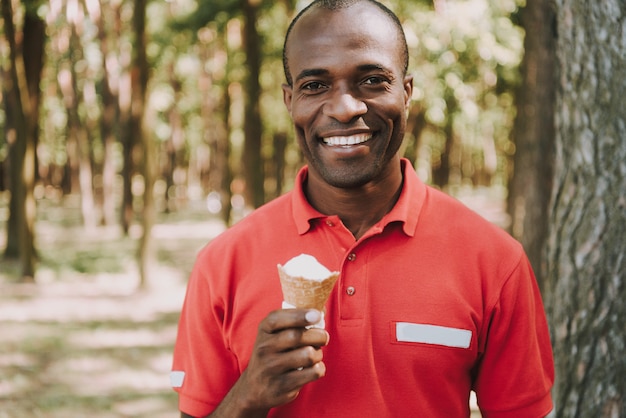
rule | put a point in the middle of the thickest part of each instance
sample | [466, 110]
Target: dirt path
[83, 342]
[78, 350]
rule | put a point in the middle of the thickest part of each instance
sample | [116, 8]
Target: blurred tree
[73, 80]
[108, 88]
[253, 128]
[140, 73]
[586, 256]
[214, 106]
[531, 182]
[219, 173]
[215, 26]
[26, 52]
[249, 12]
[464, 58]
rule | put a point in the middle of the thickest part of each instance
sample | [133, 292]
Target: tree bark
[140, 75]
[533, 133]
[127, 138]
[25, 75]
[586, 250]
[13, 164]
[252, 155]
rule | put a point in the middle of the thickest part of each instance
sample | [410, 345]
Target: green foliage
[33, 7]
[205, 12]
[464, 58]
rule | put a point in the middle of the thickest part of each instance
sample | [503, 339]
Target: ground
[84, 341]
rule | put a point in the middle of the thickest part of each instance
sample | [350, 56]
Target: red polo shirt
[432, 302]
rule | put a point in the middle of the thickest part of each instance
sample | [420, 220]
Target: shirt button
[351, 257]
[329, 222]
[350, 290]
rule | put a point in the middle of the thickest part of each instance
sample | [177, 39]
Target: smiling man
[348, 93]
[432, 301]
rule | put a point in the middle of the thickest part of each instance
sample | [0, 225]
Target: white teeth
[347, 140]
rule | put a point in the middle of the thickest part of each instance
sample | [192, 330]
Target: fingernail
[313, 316]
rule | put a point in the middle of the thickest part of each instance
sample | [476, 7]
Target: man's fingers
[293, 338]
[297, 359]
[289, 318]
[287, 356]
[292, 382]
[315, 337]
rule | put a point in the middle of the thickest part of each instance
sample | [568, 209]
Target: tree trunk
[25, 75]
[13, 164]
[34, 54]
[140, 74]
[586, 250]
[442, 168]
[77, 129]
[280, 146]
[223, 161]
[216, 132]
[127, 138]
[127, 171]
[414, 127]
[252, 155]
[533, 133]
[175, 145]
[110, 110]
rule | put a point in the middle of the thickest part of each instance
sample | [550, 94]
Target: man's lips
[340, 140]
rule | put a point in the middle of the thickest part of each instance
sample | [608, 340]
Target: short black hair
[341, 4]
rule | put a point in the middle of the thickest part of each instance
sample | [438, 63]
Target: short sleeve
[203, 369]
[516, 372]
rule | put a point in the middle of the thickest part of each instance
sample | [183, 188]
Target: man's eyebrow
[373, 67]
[311, 73]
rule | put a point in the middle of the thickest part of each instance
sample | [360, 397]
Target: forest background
[135, 131]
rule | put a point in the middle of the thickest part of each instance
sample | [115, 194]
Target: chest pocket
[432, 334]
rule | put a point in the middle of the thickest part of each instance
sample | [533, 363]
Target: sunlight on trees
[200, 99]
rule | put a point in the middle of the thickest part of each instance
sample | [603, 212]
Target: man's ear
[287, 95]
[408, 90]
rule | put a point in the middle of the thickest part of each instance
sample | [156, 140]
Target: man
[432, 301]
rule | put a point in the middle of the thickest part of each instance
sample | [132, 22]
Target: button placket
[354, 288]
[350, 290]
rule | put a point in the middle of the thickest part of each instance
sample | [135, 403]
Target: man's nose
[344, 106]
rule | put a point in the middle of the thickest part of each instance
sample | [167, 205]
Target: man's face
[349, 96]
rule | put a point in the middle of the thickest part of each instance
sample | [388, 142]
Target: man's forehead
[343, 21]
[352, 27]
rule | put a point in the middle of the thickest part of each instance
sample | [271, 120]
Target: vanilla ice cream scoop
[306, 283]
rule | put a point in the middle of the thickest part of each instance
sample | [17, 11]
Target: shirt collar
[405, 211]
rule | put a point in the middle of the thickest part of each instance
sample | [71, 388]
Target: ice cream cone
[303, 291]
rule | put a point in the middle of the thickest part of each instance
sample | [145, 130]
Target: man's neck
[358, 208]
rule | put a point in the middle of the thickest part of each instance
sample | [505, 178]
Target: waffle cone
[306, 293]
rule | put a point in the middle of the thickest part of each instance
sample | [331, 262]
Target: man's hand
[286, 356]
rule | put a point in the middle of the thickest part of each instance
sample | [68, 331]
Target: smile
[347, 140]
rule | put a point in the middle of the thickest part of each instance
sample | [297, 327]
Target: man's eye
[313, 86]
[374, 80]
